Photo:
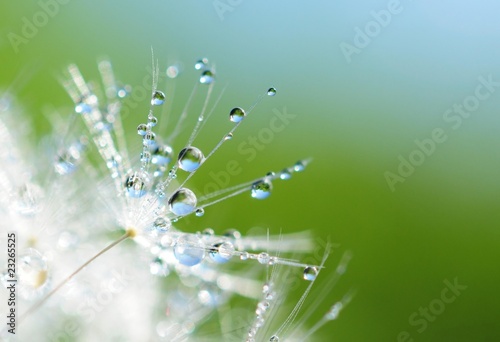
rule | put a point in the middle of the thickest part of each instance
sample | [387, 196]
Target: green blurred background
[355, 119]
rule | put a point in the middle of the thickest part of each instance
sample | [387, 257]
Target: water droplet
[82, 108]
[270, 174]
[285, 174]
[271, 91]
[190, 159]
[153, 120]
[122, 92]
[310, 273]
[182, 202]
[207, 233]
[189, 250]
[207, 77]
[334, 312]
[232, 234]
[201, 64]
[228, 136]
[145, 157]
[244, 256]
[263, 258]
[158, 98]
[135, 185]
[149, 139]
[274, 338]
[237, 114]
[162, 155]
[200, 212]
[158, 267]
[67, 159]
[299, 166]
[261, 189]
[161, 225]
[221, 252]
[142, 129]
[172, 71]
[32, 274]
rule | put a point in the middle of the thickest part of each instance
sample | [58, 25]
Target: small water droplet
[270, 174]
[271, 91]
[172, 174]
[189, 250]
[310, 273]
[221, 252]
[161, 225]
[299, 166]
[152, 121]
[145, 157]
[190, 159]
[244, 256]
[158, 98]
[261, 189]
[82, 108]
[228, 136]
[274, 338]
[263, 258]
[207, 233]
[149, 139]
[32, 274]
[135, 185]
[285, 174]
[162, 155]
[334, 311]
[207, 77]
[200, 212]
[158, 267]
[142, 129]
[182, 202]
[172, 71]
[237, 114]
[201, 64]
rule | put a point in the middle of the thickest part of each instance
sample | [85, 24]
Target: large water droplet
[221, 252]
[201, 64]
[190, 159]
[158, 98]
[189, 250]
[263, 258]
[136, 185]
[299, 166]
[261, 189]
[142, 129]
[334, 311]
[237, 114]
[162, 155]
[310, 273]
[271, 91]
[207, 77]
[182, 202]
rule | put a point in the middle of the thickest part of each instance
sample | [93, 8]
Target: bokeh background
[355, 116]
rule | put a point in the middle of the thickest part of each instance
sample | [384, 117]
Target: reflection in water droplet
[158, 98]
[310, 273]
[162, 155]
[237, 114]
[190, 159]
[182, 202]
[271, 91]
[199, 212]
[261, 189]
[207, 77]
[221, 252]
[135, 185]
[201, 64]
[189, 250]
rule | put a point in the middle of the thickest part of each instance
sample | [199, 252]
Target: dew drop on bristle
[200, 212]
[158, 98]
[135, 185]
[207, 77]
[158, 267]
[161, 225]
[271, 91]
[285, 174]
[263, 258]
[221, 252]
[237, 114]
[182, 202]
[201, 64]
[32, 273]
[310, 273]
[162, 155]
[152, 121]
[189, 250]
[274, 338]
[228, 136]
[190, 159]
[261, 189]
[142, 129]
[299, 166]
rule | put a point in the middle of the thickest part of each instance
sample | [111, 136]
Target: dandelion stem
[129, 233]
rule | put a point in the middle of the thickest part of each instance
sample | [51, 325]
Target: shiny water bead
[207, 233]
[145, 157]
[334, 311]
[310, 273]
[285, 174]
[263, 258]
[232, 234]
[32, 274]
[162, 155]
[221, 252]
[149, 139]
[201, 64]
[82, 108]
[182, 202]
[271, 91]
[228, 136]
[199, 212]
[161, 225]
[244, 256]
[237, 114]
[152, 121]
[122, 92]
[261, 189]
[67, 159]
[207, 77]
[26, 201]
[189, 250]
[158, 267]
[172, 71]
[135, 185]
[274, 338]
[158, 98]
[299, 166]
[190, 159]
[142, 129]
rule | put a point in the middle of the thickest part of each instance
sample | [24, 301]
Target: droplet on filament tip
[261, 189]
[158, 98]
[182, 202]
[190, 159]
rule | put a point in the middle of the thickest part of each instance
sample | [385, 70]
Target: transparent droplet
[67, 159]
[122, 92]
[271, 91]
[244, 256]
[261, 189]
[136, 185]
[221, 252]
[158, 267]
[201, 64]
[285, 174]
[189, 250]
[162, 155]
[274, 338]
[190, 159]
[182, 202]
[207, 233]
[32, 274]
[161, 225]
[142, 129]
[207, 77]
[232, 234]
[310, 273]
[200, 212]
[228, 136]
[263, 258]
[152, 121]
[172, 71]
[145, 157]
[82, 108]
[149, 139]
[158, 98]
[237, 114]
[299, 166]
[334, 311]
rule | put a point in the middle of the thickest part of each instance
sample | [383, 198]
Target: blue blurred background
[366, 80]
